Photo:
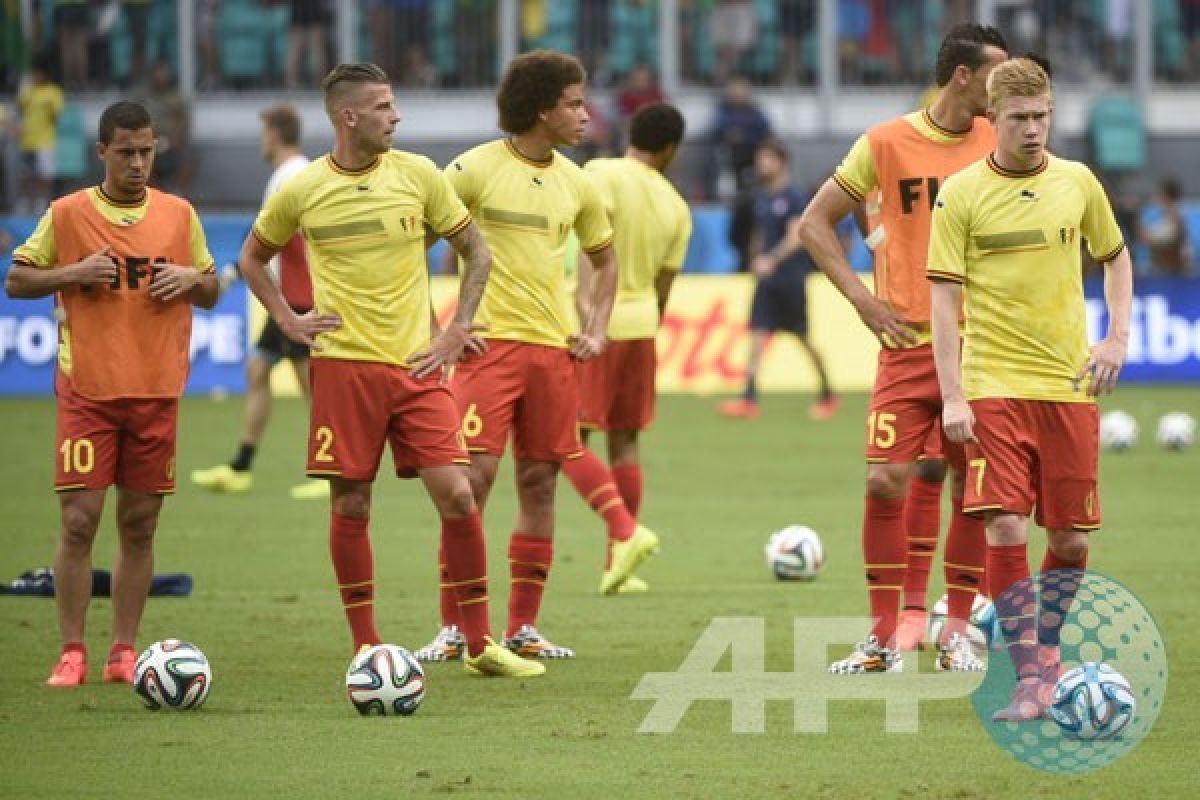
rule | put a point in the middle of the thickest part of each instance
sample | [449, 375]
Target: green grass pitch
[277, 724]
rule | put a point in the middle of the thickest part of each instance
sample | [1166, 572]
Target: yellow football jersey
[1012, 239]
[365, 233]
[651, 228]
[526, 210]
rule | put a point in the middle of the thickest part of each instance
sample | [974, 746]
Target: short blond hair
[1017, 77]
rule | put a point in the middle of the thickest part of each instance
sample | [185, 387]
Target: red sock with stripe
[884, 546]
[1016, 605]
[529, 559]
[963, 568]
[447, 598]
[922, 523]
[594, 483]
[466, 568]
[628, 478]
[350, 549]
[1056, 599]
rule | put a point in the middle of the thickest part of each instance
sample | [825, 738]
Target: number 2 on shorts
[324, 436]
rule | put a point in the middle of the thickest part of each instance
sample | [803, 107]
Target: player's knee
[458, 502]
[1071, 547]
[537, 488]
[79, 527]
[137, 526]
[886, 481]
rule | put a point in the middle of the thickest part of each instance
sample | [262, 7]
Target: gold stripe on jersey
[1012, 240]
[516, 219]
[847, 188]
[348, 230]
[1016, 173]
[928, 119]
[340, 170]
[519, 156]
[1116, 252]
[597, 248]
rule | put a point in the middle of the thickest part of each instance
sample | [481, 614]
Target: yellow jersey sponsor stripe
[847, 188]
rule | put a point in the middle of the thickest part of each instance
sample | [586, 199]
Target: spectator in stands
[739, 128]
[1167, 237]
[72, 25]
[137, 18]
[733, 30]
[593, 39]
[307, 36]
[474, 30]
[40, 103]
[172, 117]
[640, 88]
[797, 22]
[400, 32]
[206, 42]
[8, 124]
[1118, 38]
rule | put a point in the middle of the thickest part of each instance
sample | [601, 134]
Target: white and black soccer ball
[172, 674]
[795, 553]
[385, 680]
[1176, 431]
[983, 625]
[1092, 701]
[1118, 430]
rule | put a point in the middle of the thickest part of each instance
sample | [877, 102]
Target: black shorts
[273, 346]
[780, 304]
[306, 13]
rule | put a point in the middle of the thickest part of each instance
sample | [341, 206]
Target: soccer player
[652, 225]
[905, 159]
[376, 376]
[126, 263]
[281, 147]
[781, 267]
[1006, 237]
[527, 197]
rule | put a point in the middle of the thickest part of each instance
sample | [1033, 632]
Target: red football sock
[118, 648]
[922, 522]
[628, 478]
[1008, 576]
[884, 545]
[350, 548]
[962, 567]
[75, 647]
[591, 478]
[529, 561]
[447, 598]
[1056, 600]
[466, 566]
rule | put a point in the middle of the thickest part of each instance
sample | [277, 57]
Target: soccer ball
[172, 674]
[795, 553]
[1176, 431]
[1118, 430]
[1092, 701]
[983, 625]
[385, 680]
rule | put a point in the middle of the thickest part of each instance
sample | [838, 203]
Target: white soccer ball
[1118, 430]
[172, 674]
[983, 625]
[1092, 701]
[1176, 431]
[385, 680]
[795, 553]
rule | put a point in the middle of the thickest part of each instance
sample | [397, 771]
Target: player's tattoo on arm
[476, 264]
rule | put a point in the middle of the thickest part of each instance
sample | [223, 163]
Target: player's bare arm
[957, 418]
[1108, 355]
[816, 231]
[663, 282]
[28, 282]
[583, 287]
[448, 344]
[173, 281]
[593, 333]
[302, 328]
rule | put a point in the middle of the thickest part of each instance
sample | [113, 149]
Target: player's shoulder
[479, 156]
[900, 126]
[1065, 166]
[965, 183]
[406, 162]
[166, 200]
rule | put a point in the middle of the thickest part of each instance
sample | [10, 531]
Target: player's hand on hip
[98, 268]
[1103, 367]
[763, 266]
[304, 328]
[888, 326]
[583, 346]
[959, 422]
[445, 350]
[172, 281]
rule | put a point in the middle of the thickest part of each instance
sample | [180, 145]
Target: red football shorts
[129, 442]
[359, 405]
[1033, 453]
[906, 408]
[616, 390]
[935, 445]
[526, 388]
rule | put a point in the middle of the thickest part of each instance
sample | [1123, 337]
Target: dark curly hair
[532, 83]
[656, 127]
[964, 45]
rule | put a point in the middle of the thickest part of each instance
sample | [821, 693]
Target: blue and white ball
[983, 625]
[172, 674]
[1092, 701]
[1118, 430]
[1176, 431]
[385, 680]
[795, 553]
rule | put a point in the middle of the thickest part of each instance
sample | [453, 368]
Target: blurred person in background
[739, 127]
[39, 104]
[72, 25]
[1167, 237]
[307, 37]
[172, 115]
